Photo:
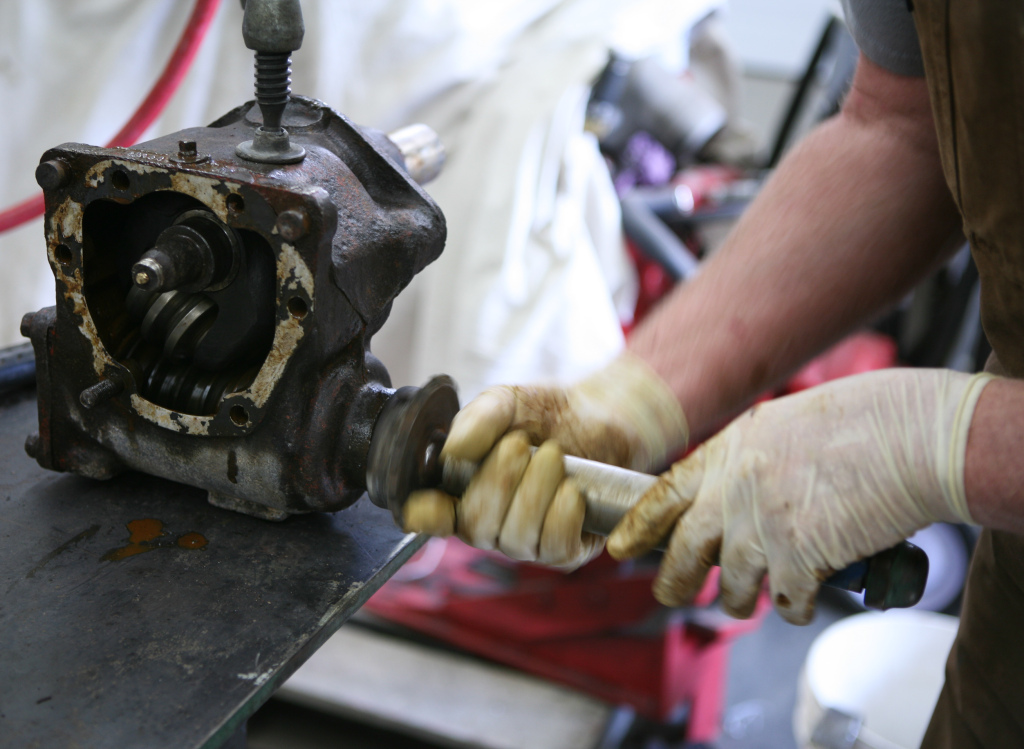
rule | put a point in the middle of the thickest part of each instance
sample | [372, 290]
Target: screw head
[292, 224]
[53, 174]
[188, 153]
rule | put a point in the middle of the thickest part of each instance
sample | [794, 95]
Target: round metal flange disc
[250, 151]
[414, 422]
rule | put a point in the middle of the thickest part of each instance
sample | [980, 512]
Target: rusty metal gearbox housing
[261, 389]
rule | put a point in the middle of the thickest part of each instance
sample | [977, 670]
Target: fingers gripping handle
[608, 491]
[894, 578]
[413, 425]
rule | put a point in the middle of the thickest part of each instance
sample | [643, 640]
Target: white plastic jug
[885, 670]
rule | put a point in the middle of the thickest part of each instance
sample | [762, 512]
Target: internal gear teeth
[172, 324]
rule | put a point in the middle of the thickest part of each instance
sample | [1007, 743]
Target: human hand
[521, 504]
[803, 486]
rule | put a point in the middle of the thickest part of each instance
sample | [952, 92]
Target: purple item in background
[644, 162]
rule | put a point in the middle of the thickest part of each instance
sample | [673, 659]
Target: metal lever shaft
[894, 578]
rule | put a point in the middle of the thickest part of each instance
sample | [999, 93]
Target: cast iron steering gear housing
[217, 291]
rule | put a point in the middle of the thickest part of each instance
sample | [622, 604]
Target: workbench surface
[132, 613]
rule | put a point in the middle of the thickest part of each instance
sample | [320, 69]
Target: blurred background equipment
[642, 95]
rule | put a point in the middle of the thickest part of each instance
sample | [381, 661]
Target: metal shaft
[273, 86]
[894, 578]
[273, 29]
[608, 491]
[421, 149]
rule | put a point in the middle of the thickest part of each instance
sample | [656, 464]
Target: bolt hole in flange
[63, 254]
[235, 202]
[239, 416]
[297, 307]
[120, 180]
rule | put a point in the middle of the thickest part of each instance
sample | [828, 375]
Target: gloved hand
[805, 485]
[522, 505]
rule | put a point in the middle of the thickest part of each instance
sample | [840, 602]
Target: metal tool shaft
[894, 578]
[608, 491]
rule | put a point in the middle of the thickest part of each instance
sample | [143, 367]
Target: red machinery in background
[598, 629]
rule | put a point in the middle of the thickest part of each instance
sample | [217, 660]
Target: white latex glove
[623, 415]
[805, 485]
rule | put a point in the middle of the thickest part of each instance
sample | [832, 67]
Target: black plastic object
[891, 579]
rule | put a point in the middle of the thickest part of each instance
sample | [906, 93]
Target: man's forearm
[854, 216]
[994, 468]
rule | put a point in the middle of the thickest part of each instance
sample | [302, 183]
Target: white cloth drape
[533, 276]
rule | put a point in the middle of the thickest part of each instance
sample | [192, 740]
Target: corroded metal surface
[132, 613]
[295, 392]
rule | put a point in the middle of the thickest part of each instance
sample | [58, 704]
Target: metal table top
[132, 613]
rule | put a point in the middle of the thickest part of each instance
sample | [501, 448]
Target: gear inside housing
[208, 327]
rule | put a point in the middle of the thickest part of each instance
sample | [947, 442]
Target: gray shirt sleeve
[884, 32]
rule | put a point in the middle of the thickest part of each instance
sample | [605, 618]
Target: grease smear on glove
[522, 505]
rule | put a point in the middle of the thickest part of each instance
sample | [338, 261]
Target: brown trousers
[974, 63]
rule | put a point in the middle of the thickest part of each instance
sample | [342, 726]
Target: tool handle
[894, 578]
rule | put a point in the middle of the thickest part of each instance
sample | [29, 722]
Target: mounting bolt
[32, 445]
[26, 324]
[188, 153]
[53, 174]
[292, 224]
[273, 29]
[101, 391]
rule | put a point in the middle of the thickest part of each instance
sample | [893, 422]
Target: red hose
[151, 107]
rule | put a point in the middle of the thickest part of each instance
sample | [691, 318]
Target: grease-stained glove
[522, 505]
[805, 485]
